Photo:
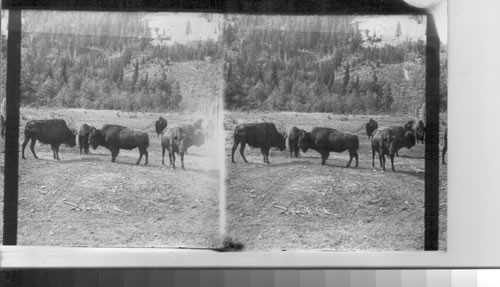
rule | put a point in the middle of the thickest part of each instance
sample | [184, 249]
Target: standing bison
[83, 138]
[418, 128]
[293, 141]
[445, 148]
[176, 140]
[115, 137]
[54, 132]
[371, 126]
[261, 135]
[387, 141]
[160, 125]
[326, 140]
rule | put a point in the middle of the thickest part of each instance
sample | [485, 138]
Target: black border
[291, 7]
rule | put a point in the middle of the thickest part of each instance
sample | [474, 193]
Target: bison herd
[176, 140]
[385, 141]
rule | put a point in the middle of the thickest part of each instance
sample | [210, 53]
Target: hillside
[199, 81]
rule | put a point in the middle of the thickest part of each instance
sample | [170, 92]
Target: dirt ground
[86, 200]
[297, 204]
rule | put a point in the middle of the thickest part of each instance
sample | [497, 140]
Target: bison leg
[86, 147]
[114, 154]
[172, 159]
[32, 147]
[55, 151]
[26, 140]
[162, 155]
[324, 156]
[381, 158]
[146, 153]
[263, 151]
[297, 152]
[242, 149]
[266, 155]
[351, 156]
[357, 157]
[235, 145]
[182, 159]
[140, 157]
[392, 162]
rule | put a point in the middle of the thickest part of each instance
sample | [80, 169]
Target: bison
[83, 138]
[325, 140]
[54, 132]
[445, 148]
[293, 141]
[418, 128]
[160, 125]
[115, 137]
[175, 141]
[261, 135]
[371, 126]
[387, 141]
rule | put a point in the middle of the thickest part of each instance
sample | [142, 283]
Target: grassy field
[298, 204]
[86, 200]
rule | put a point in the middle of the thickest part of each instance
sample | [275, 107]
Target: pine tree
[398, 31]
[135, 76]
[188, 29]
[64, 71]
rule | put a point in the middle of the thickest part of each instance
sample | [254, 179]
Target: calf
[83, 138]
[293, 141]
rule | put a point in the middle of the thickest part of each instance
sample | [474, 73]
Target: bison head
[410, 139]
[304, 139]
[160, 125]
[94, 137]
[282, 142]
[409, 125]
[72, 138]
[371, 126]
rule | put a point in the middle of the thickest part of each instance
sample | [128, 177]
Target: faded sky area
[385, 27]
[174, 25]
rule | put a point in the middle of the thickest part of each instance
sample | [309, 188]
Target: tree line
[101, 61]
[319, 64]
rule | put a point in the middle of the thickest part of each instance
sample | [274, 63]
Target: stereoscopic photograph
[325, 126]
[119, 128]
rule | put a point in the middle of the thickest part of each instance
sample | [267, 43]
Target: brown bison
[445, 148]
[83, 138]
[115, 137]
[160, 125]
[293, 141]
[54, 132]
[261, 135]
[326, 140]
[387, 141]
[176, 140]
[418, 128]
[371, 126]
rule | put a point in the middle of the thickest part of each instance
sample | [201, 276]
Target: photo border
[19, 254]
